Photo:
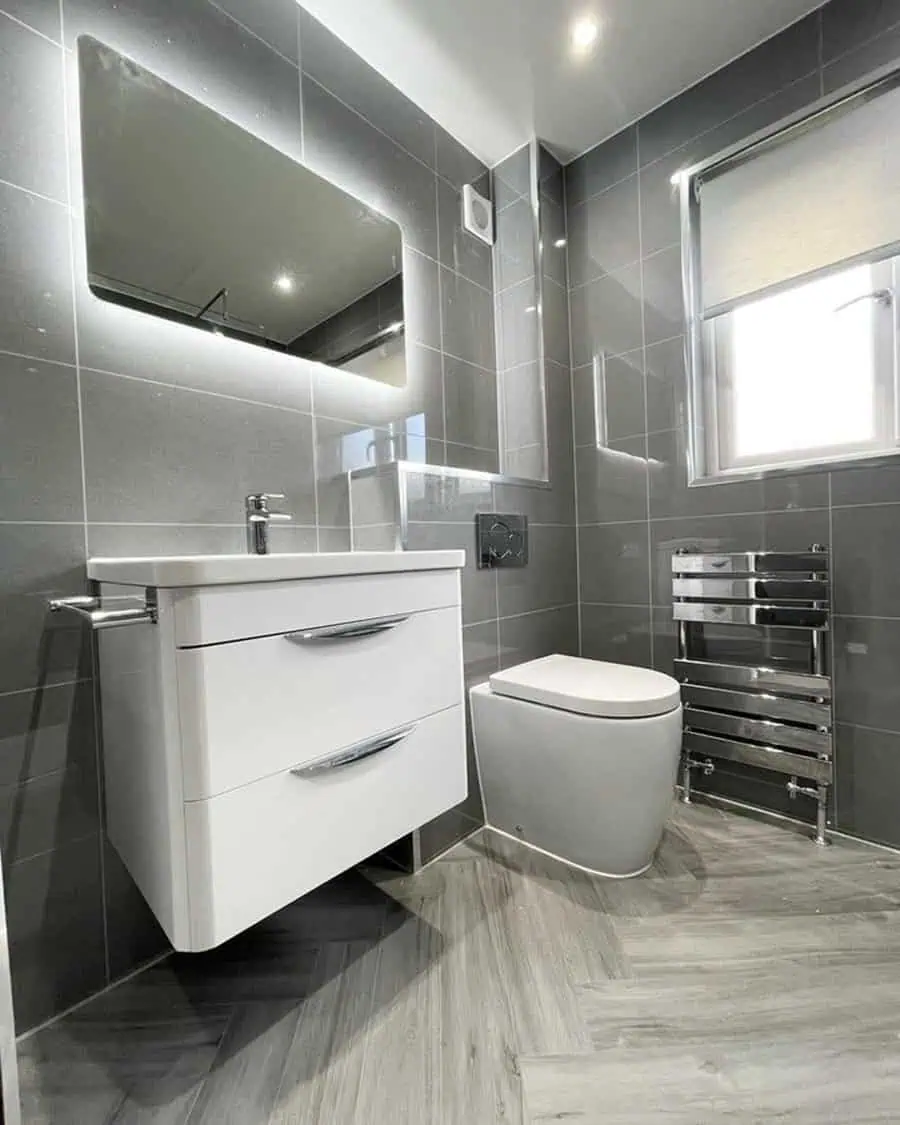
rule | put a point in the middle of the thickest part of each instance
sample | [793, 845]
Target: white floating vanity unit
[282, 718]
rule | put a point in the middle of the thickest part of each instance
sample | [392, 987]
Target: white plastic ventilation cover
[478, 215]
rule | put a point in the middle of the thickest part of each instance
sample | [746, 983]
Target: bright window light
[803, 370]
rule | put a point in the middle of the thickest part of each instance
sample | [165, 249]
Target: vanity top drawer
[253, 708]
[256, 849]
[215, 614]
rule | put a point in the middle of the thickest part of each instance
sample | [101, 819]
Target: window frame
[703, 418]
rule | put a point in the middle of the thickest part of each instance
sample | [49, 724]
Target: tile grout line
[440, 283]
[651, 637]
[577, 511]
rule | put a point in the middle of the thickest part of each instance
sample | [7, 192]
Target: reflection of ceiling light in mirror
[396, 328]
[584, 34]
[675, 178]
[284, 283]
[560, 243]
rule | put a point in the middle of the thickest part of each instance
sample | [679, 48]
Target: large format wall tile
[533, 635]
[604, 233]
[41, 15]
[32, 127]
[618, 634]
[868, 776]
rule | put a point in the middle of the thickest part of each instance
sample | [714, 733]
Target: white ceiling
[496, 72]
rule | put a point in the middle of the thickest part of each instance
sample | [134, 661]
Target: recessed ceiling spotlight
[284, 283]
[560, 243]
[584, 34]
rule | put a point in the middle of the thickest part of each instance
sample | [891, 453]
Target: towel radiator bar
[776, 718]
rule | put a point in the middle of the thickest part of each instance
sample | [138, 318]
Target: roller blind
[819, 198]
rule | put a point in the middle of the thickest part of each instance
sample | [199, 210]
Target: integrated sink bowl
[222, 570]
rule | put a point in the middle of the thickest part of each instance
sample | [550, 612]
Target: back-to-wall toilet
[579, 758]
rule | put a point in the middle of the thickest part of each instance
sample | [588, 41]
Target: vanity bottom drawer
[254, 850]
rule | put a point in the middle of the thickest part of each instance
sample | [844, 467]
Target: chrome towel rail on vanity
[776, 718]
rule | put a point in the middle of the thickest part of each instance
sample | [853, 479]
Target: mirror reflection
[190, 217]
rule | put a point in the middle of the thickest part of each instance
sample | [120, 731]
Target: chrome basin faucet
[259, 516]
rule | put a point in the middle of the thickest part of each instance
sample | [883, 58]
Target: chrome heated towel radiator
[774, 717]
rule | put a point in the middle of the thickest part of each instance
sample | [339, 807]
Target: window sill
[876, 460]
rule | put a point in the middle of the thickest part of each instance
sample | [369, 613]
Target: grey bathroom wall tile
[334, 539]
[481, 652]
[157, 454]
[760, 788]
[528, 462]
[275, 22]
[41, 15]
[620, 397]
[129, 540]
[795, 491]
[55, 917]
[35, 278]
[614, 563]
[669, 492]
[607, 316]
[866, 484]
[710, 534]
[661, 203]
[344, 148]
[522, 391]
[847, 26]
[514, 250]
[40, 451]
[585, 390]
[663, 296]
[550, 176]
[376, 537]
[454, 161]
[49, 812]
[470, 404]
[534, 635]
[45, 731]
[866, 654]
[37, 563]
[555, 322]
[612, 481]
[867, 777]
[665, 639]
[549, 578]
[432, 498]
[458, 249]
[134, 936]
[604, 232]
[857, 64]
[468, 320]
[32, 126]
[479, 587]
[517, 325]
[470, 457]
[792, 530]
[512, 178]
[554, 239]
[339, 69]
[422, 301]
[289, 539]
[618, 634]
[555, 504]
[203, 51]
[864, 539]
[774, 64]
[666, 385]
[602, 166]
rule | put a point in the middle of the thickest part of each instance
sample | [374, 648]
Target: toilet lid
[590, 687]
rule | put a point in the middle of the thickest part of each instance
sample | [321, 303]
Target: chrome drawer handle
[352, 631]
[355, 753]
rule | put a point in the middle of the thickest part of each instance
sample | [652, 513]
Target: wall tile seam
[28, 27]
[456, 273]
[616, 605]
[512, 202]
[5, 354]
[725, 121]
[39, 688]
[639, 261]
[234, 524]
[555, 608]
[255, 35]
[571, 208]
[837, 616]
[469, 524]
[730, 515]
[98, 834]
[438, 351]
[895, 463]
[530, 280]
[865, 727]
[830, 60]
[630, 351]
[35, 194]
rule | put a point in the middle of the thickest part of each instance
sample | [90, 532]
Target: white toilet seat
[590, 687]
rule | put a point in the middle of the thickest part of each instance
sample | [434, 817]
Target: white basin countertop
[221, 570]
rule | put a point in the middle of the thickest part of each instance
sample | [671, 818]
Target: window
[791, 251]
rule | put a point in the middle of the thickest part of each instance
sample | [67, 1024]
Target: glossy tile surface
[746, 970]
